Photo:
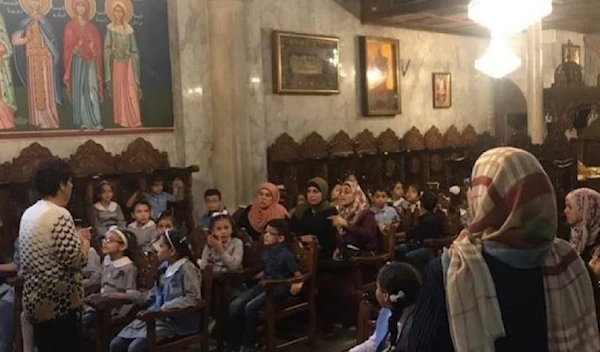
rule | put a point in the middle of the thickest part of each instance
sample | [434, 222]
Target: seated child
[398, 286]
[279, 263]
[140, 194]
[143, 227]
[158, 198]
[107, 213]
[212, 200]
[165, 222]
[385, 215]
[222, 250]
[92, 270]
[397, 200]
[429, 226]
[119, 273]
[177, 286]
[411, 208]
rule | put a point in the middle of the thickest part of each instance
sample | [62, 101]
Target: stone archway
[510, 109]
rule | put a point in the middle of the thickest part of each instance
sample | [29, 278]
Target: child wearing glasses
[279, 263]
[177, 286]
[119, 273]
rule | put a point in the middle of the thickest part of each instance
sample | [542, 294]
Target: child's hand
[296, 288]
[215, 244]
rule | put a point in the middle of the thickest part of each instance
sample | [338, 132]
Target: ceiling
[450, 16]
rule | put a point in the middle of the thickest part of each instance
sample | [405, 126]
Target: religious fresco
[99, 65]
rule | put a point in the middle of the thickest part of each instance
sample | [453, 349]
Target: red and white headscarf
[514, 208]
[586, 203]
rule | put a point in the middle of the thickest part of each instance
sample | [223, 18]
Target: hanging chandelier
[508, 17]
[499, 60]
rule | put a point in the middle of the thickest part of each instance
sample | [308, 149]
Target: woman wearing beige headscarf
[582, 212]
[507, 283]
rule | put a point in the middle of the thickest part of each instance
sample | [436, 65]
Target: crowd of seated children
[222, 250]
[385, 215]
[119, 273]
[429, 226]
[107, 212]
[213, 202]
[398, 286]
[157, 198]
[279, 263]
[143, 226]
[178, 285]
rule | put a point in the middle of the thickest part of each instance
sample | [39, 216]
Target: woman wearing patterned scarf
[356, 225]
[507, 283]
[583, 215]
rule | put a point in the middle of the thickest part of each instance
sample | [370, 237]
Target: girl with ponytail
[398, 285]
[177, 286]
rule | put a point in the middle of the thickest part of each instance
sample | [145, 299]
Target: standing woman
[312, 217]
[507, 283]
[82, 54]
[583, 216]
[122, 62]
[264, 208]
[52, 255]
[8, 103]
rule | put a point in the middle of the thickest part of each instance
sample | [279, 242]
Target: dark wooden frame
[278, 87]
[363, 45]
[433, 77]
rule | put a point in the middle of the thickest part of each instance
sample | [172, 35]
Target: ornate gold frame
[278, 87]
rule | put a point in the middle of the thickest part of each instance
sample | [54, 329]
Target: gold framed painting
[441, 83]
[305, 63]
[380, 77]
[571, 52]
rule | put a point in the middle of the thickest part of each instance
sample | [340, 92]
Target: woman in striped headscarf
[583, 215]
[507, 283]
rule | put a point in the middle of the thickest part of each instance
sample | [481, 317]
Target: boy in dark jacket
[279, 263]
[429, 226]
